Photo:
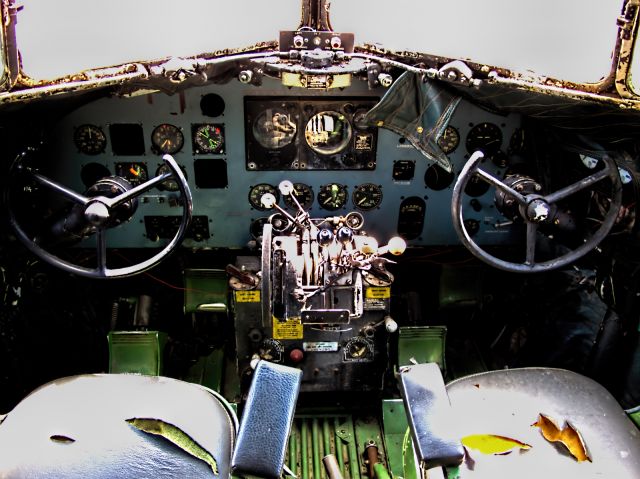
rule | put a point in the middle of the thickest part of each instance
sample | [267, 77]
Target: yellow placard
[289, 329]
[378, 293]
[251, 296]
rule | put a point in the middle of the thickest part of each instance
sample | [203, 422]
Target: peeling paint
[173, 73]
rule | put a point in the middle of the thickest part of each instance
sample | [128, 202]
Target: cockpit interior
[317, 258]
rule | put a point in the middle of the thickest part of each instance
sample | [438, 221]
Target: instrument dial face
[332, 196]
[437, 178]
[90, 139]
[358, 349]
[134, 173]
[367, 196]
[258, 191]
[486, 137]
[358, 119]
[167, 138]
[304, 195]
[449, 140]
[500, 159]
[328, 132]
[170, 184]
[208, 138]
[274, 129]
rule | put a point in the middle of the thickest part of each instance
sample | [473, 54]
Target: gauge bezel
[308, 194]
[99, 145]
[122, 169]
[289, 137]
[255, 190]
[496, 138]
[342, 192]
[361, 189]
[333, 149]
[446, 145]
[159, 137]
[200, 148]
[437, 178]
[168, 185]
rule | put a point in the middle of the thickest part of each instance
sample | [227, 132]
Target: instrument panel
[289, 133]
[236, 142]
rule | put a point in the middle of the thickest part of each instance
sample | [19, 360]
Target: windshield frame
[613, 88]
[9, 56]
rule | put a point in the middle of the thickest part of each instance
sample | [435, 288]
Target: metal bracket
[456, 71]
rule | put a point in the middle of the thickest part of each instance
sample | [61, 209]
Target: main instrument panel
[236, 142]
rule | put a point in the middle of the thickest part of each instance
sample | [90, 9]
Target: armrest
[266, 420]
[430, 415]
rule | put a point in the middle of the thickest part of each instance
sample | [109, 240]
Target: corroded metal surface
[174, 74]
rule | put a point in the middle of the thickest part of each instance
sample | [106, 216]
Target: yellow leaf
[175, 435]
[493, 444]
[568, 435]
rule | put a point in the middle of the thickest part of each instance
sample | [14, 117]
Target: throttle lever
[242, 276]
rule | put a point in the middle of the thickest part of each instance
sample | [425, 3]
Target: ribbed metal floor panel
[313, 437]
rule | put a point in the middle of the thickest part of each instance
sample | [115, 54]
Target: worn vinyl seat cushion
[76, 428]
[508, 402]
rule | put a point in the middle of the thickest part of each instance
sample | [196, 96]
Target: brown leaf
[568, 436]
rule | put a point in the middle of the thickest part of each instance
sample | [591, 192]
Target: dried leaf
[62, 439]
[493, 444]
[568, 436]
[175, 435]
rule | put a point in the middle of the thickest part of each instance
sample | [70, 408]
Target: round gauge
[170, 184]
[500, 159]
[90, 139]
[476, 187]
[358, 119]
[449, 140]
[134, 173]
[208, 138]
[437, 178]
[485, 137]
[271, 350]
[358, 349]
[258, 191]
[167, 138]
[304, 195]
[274, 129]
[328, 132]
[332, 196]
[367, 196]
[212, 105]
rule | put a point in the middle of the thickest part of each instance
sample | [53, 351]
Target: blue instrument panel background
[228, 209]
